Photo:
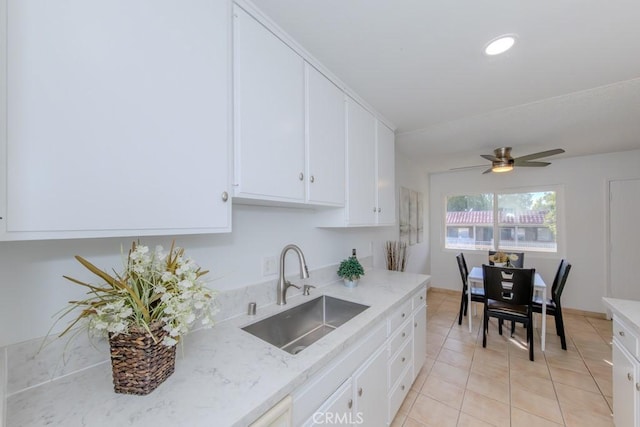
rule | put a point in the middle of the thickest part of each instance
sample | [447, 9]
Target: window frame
[560, 216]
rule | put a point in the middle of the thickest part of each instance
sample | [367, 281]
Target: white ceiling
[572, 80]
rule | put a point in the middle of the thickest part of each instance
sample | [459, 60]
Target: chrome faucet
[284, 284]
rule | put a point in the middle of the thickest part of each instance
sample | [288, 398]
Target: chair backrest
[516, 258]
[560, 280]
[508, 285]
[464, 271]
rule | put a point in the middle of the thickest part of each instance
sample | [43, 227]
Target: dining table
[476, 276]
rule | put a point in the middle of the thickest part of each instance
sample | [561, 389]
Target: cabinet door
[115, 126]
[269, 114]
[385, 172]
[337, 410]
[325, 140]
[419, 339]
[361, 193]
[370, 387]
[624, 387]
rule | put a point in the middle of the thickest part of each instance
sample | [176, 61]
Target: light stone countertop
[224, 376]
[628, 310]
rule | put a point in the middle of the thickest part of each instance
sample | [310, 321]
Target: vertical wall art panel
[411, 216]
[404, 215]
[420, 236]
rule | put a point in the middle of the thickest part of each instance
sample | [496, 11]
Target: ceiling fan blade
[489, 157]
[487, 171]
[467, 167]
[531, 164]
[541, 154]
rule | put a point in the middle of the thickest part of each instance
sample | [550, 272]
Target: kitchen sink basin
[295, 329]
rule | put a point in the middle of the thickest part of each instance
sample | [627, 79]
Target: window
[502, 221]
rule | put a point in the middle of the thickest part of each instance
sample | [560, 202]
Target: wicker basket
[139, 363]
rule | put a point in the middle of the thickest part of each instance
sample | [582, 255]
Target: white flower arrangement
[154, 286]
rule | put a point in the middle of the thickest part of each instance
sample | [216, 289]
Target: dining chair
[477, 294]
[518, 262]
[554, 308]
[508, 296]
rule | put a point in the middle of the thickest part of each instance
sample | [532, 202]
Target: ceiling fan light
[505, 165]
[502, 168]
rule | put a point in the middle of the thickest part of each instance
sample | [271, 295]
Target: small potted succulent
[350, 270]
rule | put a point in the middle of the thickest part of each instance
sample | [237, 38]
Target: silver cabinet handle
[350, 404]
[621, 333]
[301, 176]
[374, 208]
[402, 387]
[404, 358]
[629, 376]
[638, 386]
[403, 315]
[415, 325]
[379, 210]
[225, 196]
[360, 391]
[404, 334]
[312, 179]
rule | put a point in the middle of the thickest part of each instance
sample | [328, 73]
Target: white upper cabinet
[269, 114]
[370, 176]
[117, 118]
[385, 175]
[361, 166]
[325, 116]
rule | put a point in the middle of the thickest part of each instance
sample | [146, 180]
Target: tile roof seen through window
[486, 217]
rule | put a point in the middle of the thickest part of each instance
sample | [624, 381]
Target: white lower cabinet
[626, 376]
[360, 400]
[278, 416]
[370, 385]
[419, 338]
[337, 410]
[367, 385]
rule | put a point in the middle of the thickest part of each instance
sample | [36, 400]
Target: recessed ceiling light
[500, 45]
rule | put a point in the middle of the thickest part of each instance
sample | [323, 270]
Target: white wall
[584, 223]
[410, 175]
[32, 289]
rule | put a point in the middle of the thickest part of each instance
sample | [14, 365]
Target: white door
[624, 389]
[269, 114]
[116, 126]
[624, 235]
[337, 409]
[361, 128]
[370, 387]
[385, 172]
[325, 140]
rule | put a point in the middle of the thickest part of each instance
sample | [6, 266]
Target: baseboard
[576, 312]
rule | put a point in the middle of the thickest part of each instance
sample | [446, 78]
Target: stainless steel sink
[297, 328]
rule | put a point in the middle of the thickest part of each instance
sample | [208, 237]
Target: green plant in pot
[350, 270]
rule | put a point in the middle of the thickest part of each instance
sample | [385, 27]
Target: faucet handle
[288, 283]
[306, 290]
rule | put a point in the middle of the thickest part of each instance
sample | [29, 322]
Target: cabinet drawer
[400, 361]
[399, 316]
[401, 335]
[420, 298]
[626, 337]
[398, 394]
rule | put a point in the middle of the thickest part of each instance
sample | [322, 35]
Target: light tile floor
[464, 384]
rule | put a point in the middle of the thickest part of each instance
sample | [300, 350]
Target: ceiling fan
[501, 160]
